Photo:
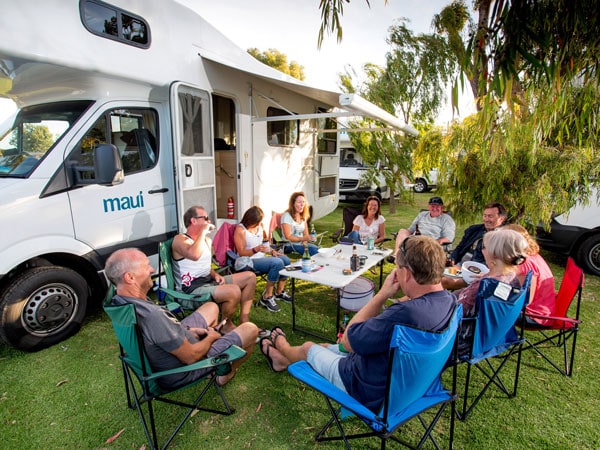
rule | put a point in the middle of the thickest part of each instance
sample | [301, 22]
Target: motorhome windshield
[33, 134]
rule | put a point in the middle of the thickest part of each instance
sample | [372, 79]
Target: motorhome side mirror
[107, 169]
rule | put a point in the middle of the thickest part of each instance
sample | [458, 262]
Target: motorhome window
[113, 23]
[327, 140]
[33, 135]
[281, 132]
[133, 131]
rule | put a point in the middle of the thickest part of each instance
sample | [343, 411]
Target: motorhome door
[193, 150]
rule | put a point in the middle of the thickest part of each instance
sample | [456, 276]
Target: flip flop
[262, 333]
[266, 353]
[277, 331]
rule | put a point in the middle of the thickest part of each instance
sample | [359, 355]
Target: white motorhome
[353, 184]
[129, 113]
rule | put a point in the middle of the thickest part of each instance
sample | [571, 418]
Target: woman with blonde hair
[294, 225]
[541, 293]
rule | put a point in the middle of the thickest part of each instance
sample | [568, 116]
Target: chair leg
[334, 419]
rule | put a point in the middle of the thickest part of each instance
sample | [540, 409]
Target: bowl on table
[472, 270]
[326, 252]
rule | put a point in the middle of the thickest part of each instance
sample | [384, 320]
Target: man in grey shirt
[434, 223]
[168, 342]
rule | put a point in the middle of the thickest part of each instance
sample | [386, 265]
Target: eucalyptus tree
[274, 58]
[411, 86]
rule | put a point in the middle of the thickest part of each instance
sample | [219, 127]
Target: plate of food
[453, 272]
[472, 270]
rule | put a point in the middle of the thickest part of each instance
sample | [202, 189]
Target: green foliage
[36, 138]
[532, 160]
[274, 58]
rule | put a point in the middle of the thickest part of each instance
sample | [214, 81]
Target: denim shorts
[325, 361]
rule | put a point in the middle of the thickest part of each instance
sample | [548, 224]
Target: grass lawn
[72, 395]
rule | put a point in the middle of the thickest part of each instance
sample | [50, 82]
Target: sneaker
[284, 296]
[270, 303]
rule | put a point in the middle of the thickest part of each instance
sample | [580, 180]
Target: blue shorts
[325, 361]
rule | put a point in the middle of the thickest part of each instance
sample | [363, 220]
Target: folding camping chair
[413, 386]
[146, 389]
[557, 328]
[171, 294]
[495, 339]
[224, 254]
[348, 216]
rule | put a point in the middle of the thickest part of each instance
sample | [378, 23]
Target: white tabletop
[330, 269]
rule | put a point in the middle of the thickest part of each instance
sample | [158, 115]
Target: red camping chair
[559, 328]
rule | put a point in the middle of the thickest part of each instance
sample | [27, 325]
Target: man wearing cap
[434, 223]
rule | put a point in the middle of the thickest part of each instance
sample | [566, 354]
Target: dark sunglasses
[202, 217]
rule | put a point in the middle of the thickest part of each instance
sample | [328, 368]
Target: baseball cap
[436, 201]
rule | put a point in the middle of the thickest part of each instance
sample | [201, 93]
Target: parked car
[576, 233]
[426, 182]
[352, 184]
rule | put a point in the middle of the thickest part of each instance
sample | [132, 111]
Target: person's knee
[227, 292]
[210, 311]
[248, 332]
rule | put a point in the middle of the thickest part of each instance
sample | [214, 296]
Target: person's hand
[207, 227]
[200, 333]
[391, 285]
[219, 279]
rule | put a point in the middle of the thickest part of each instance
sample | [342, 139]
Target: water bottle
[313, 233]
[306, 266]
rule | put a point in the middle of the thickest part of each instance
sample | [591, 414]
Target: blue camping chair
[417, 360]
[141, 381]
[495, 339]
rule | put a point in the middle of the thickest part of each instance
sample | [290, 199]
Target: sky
[292, 27]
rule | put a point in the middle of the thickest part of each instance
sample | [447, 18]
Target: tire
[588, 255]
[26, 302]
[420, 185]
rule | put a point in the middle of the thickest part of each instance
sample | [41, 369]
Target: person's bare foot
[222, 380]
[277, 362]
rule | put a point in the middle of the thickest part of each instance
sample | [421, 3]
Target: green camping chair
[146, 390]
[172, 296]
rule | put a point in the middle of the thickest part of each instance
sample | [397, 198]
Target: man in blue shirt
[358, 365]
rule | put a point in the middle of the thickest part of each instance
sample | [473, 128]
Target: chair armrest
[183, 296]
[559, 319]
[233, 353]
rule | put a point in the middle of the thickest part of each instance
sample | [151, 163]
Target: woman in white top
[294, 225]
[369, 223]
[250, 240]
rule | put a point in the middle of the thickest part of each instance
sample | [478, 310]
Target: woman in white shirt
[369, 223]
[294, 225]
[250, 240]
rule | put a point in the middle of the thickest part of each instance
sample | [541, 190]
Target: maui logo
[123, 203]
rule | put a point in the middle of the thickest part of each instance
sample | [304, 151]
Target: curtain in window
[190, 106]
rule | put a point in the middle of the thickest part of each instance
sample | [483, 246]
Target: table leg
[293, 304]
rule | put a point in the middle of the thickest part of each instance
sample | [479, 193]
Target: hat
[436, 201]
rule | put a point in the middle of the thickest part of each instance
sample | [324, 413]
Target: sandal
[264, 349]
[262, 333]
[276, 331]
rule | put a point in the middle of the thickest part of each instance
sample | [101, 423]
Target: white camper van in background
[129, 113]
[576, 233]
[353, 185]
